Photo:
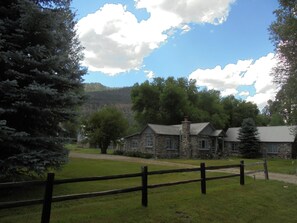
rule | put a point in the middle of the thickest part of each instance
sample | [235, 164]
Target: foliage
[272, 111]
[40, 84]
[168, 101]
[133, 154]
[249, 146]
[283, 33]
[239, 110]
[105, 126]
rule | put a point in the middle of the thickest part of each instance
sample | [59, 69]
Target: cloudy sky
[223, 44]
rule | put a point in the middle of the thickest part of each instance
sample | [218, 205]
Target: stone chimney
[185, 139]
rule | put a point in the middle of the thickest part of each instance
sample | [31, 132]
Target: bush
[118, 152]
[133, 154]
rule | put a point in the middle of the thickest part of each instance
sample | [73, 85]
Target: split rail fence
[50, 182]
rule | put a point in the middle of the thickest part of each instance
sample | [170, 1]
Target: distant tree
[249, 141]
[276, 120]
[105, 126]
[163, 101]
[283, 33]
[40, 84]
[168, 101]
[210, 102]
[238, 110]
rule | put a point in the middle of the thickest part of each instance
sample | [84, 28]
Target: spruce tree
[40, 84]
[249, 141]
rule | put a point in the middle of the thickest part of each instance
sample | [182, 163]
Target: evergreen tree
[249, 141]
[40, 84]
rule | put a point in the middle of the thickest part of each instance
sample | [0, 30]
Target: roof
[195, 129]
[266, 134]
[218, 133]
[165, 129]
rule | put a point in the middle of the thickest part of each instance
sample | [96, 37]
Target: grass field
[225, 201]
[285, 166]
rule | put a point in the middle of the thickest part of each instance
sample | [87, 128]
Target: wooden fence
[50, 182]
[264, 170]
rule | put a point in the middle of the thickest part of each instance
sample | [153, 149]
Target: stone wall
[162, 149]
[198, 152]
[159, 149]
[284, 150]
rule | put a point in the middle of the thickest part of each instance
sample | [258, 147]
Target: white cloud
[244, 93]
[149, 74]
[261, 98]
[229, 77]
[115, 41]
[185, 29]
[197, 11]
[244, 73]
[228, 91]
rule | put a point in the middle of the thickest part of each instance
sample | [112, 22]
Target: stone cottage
[188, 140]
[275, 141]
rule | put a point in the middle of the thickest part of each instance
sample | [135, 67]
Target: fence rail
[264, 170]
[50, 182]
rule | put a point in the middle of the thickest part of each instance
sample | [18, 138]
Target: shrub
[133, 154]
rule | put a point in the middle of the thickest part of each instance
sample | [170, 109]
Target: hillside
[93, 87]
[103, 96]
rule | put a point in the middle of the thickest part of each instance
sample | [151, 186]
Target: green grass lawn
[274, 165]
[225, 201]
[285, 166]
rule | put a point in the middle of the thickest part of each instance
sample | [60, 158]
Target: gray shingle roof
[266, 134]
[195, 129]
[165, 129]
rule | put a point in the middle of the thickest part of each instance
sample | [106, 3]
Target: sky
[222, 44]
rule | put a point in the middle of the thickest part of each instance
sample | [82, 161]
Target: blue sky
[223, 44]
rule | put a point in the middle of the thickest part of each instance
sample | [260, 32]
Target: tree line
[167, 101]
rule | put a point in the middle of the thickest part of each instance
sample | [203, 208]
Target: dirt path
[272, 176]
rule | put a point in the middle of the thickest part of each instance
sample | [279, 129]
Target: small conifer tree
[249, 140]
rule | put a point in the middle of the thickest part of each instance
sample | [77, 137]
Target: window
[234, 147]
[149, 140]
[202, 143]
[272, 148]
[134, 143]
[169, 144]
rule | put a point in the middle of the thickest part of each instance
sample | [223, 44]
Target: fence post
[47, 201]
[203, 178]
[266, 170]
[144, 186]
[241, 172]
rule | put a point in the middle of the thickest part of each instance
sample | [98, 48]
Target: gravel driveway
[272, 176]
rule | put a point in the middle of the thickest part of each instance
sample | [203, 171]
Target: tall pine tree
[40, 84]
[249, 141]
